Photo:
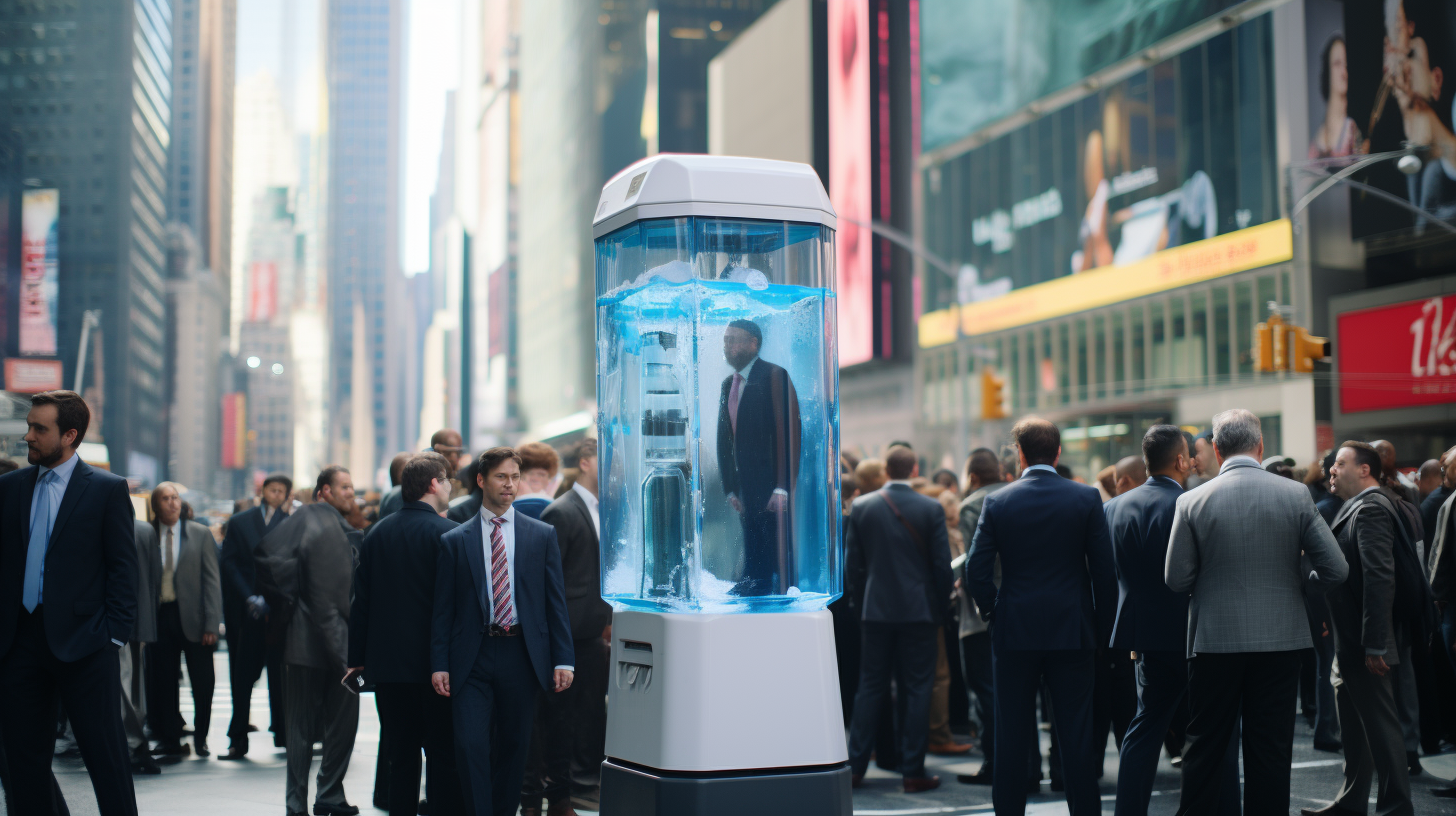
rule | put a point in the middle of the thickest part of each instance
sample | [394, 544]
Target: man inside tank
[758, 457]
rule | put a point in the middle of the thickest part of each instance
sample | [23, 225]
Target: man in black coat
[68, 604]
[571, 726]
[500, 635]
[1053, 607]
[389, 637]
[758, 458]
[900, 564]
[246, 613]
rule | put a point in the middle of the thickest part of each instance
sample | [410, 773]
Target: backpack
[1415, 606]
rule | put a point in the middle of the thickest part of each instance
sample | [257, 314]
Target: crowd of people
[1195, 599]
[467, 598]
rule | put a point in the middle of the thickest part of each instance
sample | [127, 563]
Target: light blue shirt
[56, 490]
[1047, 468]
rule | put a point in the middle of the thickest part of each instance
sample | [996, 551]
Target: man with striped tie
[500, 633]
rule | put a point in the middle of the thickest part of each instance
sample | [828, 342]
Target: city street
[212, 788]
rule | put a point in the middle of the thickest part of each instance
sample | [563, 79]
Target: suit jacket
[195, 581]
[1443, 553]
[394, 595]
[1058, 586]
[392, 502]
[90, 581]
[971, 621]
[1150, 617]
[238, 563]
[1361, 609]
[1235, 547]
[463, 602]
[149, 581]
[581, 565]
[465, 510]
[763, 455]
[308, 563]
[1430, 508]
[900, 584]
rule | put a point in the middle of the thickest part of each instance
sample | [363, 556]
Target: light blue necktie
[40, 535]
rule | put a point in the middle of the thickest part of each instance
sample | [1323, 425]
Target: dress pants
[1260, 687]
[419, 719]
[1407, 700]
[133, 696]
[164, 667]
[976, 666]
[1162, 686]
[566, 733]
[1114, 699]
[1373, 741]
[320, 708]
[940, 696]
[1069, 676]
[33, 683]
[494, 707]
[765, 536]
[248, 654]
[906, 650]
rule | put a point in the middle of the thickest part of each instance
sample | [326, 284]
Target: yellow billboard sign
[1215, 257]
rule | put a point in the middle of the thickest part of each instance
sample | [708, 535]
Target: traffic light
[993, 395]
[1264, 343]
[1305, 348]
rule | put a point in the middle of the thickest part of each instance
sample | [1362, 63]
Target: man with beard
[758, 458]
[68, 604]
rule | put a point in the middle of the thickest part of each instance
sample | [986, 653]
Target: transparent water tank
[717, 381]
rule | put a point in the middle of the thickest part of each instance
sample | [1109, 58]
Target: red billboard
[850, 176]
[39, 271]
[26, 376]
[234, 430]
[1398, 356]
[263, 292]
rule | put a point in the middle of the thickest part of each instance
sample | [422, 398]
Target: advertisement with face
[1165, 160]
[850, 176]
[39, 272]
[1400, 55]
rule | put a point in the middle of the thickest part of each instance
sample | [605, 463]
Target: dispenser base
[633, 790]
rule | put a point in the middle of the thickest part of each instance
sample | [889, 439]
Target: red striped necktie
[503, 610]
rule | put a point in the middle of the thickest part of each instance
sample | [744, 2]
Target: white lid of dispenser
[672, 185]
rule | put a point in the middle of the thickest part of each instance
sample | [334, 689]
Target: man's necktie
[733, 397]
[40, 536]
[169, 574]
[503, 609]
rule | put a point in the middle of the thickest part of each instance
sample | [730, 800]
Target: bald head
[1387, 455]
[1131, 472]
[1428, 478]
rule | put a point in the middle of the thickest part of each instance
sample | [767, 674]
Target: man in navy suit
[246, 613]
[68, 603]
[1054, 605]
[758, 458]
[1152, 620]
[500, 634]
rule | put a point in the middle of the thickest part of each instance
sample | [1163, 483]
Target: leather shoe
[235, 754]
[1448, 792]
[202, 751]
[1413, 760]
[345, 809]
[980, 777]
[856, 781]
[1329, 810]
[947, 748]
[142, 763]
[171, 749]
[1329, 746]
[921, 784]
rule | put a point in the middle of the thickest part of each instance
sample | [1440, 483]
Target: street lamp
[254, 362]
[1407, 159]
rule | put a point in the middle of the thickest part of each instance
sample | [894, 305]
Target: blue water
[678, 545]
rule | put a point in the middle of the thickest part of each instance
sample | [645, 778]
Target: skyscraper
[364, 44]
[91, 95]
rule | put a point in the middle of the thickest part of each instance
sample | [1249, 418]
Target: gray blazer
[971, 621]
[149, 579]
[1361, 609]
[196, 580]
[1235, 547]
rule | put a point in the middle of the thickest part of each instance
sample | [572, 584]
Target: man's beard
[36, 457]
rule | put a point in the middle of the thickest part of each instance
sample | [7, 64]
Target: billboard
[26, 376]
[1163, 179]
[39, 271]
[1398, 356]
[982, 60]
[262, 291]
[234, 431]
[850, 176]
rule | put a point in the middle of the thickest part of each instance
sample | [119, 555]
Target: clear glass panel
[1221, 339]
[718, 387]
[1244, 327]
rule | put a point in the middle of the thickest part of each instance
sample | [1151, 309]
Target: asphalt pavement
[254, 787]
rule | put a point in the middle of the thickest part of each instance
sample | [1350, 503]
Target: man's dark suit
[248, 648]
[389, 635]
[571, 726]
[466, 510]
[906, 590]
[762, 456]
[494, 679]
[1362, 621]
[67, 648]
[1055, 604]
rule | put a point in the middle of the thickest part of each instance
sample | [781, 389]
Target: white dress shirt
[56, 488]
[591, 506]
[508, 539]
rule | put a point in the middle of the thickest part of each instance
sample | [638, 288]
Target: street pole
[90, 318]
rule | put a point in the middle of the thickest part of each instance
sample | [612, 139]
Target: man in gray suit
[1366, 647]
[1236, 547]
[133, 655]
[188, 614]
